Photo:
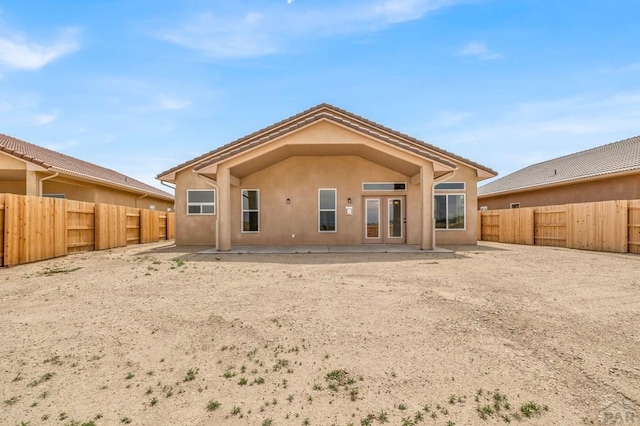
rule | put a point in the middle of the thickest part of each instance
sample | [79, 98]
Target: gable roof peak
[363, 124]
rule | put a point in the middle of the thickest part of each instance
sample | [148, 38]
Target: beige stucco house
[603, 173]
[29, 169]
[326, 177]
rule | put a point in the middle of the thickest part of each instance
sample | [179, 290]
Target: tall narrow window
[327, 201]
[201, 201]
[250, 210]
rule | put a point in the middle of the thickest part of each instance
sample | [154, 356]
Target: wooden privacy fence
[612, 226]
[35, 228]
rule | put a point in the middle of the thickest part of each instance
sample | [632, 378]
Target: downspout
[42, 180]
[140, 198]
[436, 181]
[215, 185]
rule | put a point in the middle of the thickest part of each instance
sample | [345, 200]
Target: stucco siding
[84, 191]
[602, 189]
[468, 235]
[299, 179]
[193, 230]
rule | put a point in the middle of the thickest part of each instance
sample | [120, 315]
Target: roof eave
[112, 184]
[606, 175]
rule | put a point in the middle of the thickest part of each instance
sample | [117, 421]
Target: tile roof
[62, 163]
[616, 157]
[329, 111]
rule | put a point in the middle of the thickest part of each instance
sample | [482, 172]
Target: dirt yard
[154, 335]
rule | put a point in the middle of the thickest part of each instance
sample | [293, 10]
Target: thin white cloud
[448, 118]
[268, 29]
[478, 49]
[44, 118]
[19, 53]
[628, 68]
[219, 36]
[166, 102]
[520, 135]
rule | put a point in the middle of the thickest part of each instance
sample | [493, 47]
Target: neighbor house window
[384, 186]
[53, 195]
[449, 211]
[327, 202]
[201, 201]
[250, 210]
[514, 205]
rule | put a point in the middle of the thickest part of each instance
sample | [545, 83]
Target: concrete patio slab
[370, 248]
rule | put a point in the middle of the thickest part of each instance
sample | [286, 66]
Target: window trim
[214, 204]
[243, 211]
[446, 195]
[514, 205]
[384, 183]
[334, 210]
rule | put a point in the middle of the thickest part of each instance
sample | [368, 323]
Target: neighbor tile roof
[58, 162]
[351, 120]
[621, 156]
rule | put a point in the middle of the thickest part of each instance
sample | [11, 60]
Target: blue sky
[140, 86]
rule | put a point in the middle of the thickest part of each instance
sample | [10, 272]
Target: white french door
[384, 220]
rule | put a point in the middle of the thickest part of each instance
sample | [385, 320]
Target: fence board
[550, 226]
[110, 223]
[162, 224]
[36, 228]
[171, 226]
[634, 226]
[598, 226]
[149, 226]
[516, 226]
[30, 229]
[2, 229]
[80, 226]
[490, 226]
[611, 226]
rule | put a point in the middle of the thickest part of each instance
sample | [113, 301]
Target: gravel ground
[154, 335]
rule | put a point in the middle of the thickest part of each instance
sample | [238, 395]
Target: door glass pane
[395, 218]
[373, 218]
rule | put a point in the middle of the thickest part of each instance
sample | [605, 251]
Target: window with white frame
[201, 201]
[250, 210]
[449, 211]
[448, 186]
[514, 205]
[327, 210]
[384, 186]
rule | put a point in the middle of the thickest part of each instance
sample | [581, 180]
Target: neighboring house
[326, 177]
[608, 172]
[29, 169]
